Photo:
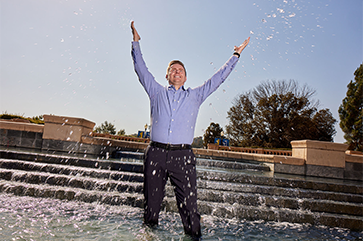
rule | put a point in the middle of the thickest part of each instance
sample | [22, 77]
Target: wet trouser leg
[183, 176]
[179, 165]
[155, 177]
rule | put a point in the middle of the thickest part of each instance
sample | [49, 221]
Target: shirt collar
[173, 87]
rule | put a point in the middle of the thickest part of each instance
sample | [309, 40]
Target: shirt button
[172, 119]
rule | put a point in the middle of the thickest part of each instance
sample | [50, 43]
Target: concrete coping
[21, 126]
[65, 120]
[288, 160]
[354, 158]
[323, 145]
[234, 155]
[111, 142]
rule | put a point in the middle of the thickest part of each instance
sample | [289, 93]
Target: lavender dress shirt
[174, 112]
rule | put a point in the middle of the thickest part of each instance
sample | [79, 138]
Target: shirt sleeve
[217, 79]
[146, 79]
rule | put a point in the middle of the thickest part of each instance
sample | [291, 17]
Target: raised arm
[136, 36]
[221, 75]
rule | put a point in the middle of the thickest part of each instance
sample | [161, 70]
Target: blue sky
[72, 58]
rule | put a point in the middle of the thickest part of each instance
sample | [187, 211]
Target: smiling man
[174, 111]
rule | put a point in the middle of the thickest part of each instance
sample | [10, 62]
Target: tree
[351, 112]
[213, 131]
[197, 142]
[121, 132]
[275, 113]
[106, 128]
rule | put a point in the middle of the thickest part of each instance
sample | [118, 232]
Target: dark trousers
[179, 166]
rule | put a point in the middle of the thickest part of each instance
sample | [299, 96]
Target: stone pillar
[64, 134]
[66, 128]
[322, 159]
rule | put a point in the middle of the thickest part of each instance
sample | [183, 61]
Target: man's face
[176, 76]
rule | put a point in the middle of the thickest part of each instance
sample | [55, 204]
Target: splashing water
[30, 218]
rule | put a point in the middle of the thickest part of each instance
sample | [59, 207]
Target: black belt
[170, 147]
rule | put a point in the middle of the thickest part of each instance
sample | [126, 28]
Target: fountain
[239, 194]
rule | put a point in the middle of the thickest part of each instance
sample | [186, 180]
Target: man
[174, 112]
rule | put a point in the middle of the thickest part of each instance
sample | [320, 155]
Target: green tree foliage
[213, 131]
[351, 112]
[121, 132]
[275, 113]
[106, 128]
[197, 142]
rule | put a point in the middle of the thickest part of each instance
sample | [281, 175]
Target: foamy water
[27, 218]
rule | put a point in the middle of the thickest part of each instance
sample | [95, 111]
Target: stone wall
[71, 135]
[23, 135]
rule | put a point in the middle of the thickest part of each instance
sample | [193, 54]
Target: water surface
[28, 218]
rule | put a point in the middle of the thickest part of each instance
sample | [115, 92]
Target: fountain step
[72, 161]
[249, 165]
[280, 191]
[308, 204]
[59, 192]
[227, 177]
[70, 181]
[71, 170]
[252, 199]
[322, 184]
[239, 211]
[215, 185]
[241, 194]
[233, 165]
[223, 210]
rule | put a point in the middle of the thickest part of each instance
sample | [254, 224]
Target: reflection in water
[27, 218]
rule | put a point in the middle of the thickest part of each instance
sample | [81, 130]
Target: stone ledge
[323, 145]
[113, 143]
[289, 160]
[20, 126]
[65, 120]
[234, 155]
[354, 158]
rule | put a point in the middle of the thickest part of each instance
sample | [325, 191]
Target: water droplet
[62, 40]
[154, 172]
[251, 32]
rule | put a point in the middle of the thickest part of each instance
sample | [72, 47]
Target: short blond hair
[175, 62]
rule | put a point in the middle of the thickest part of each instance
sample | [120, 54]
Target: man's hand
[240, 48]
[134, 32]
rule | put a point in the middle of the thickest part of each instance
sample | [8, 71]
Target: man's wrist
[237, 54]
